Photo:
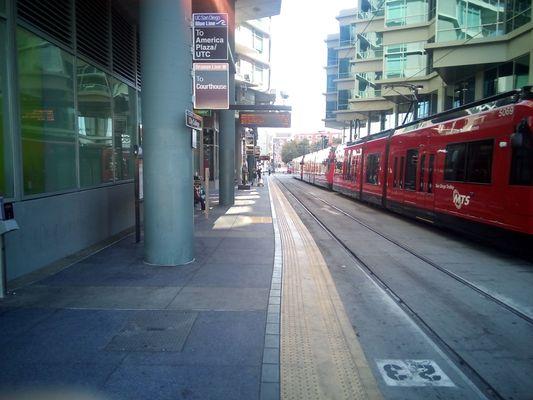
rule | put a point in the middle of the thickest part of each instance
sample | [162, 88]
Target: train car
[469, 168]
[318, 167]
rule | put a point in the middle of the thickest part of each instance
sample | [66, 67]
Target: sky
[299, 56]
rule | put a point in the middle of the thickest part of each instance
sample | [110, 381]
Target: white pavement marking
[413, 373]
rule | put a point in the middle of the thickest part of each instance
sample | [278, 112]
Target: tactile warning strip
[320, 355]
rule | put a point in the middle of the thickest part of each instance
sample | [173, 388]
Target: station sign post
[210, 36]
[211, 86]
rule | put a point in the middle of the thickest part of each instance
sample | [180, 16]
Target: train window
[522, 166]
[401, 172]
[455, 163]
[422, 173]
[395, 173]
[431, 167]
[469, 162]
[410, 169]
[372, 169]
[479, 162]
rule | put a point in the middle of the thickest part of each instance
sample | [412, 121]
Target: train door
[426, 168]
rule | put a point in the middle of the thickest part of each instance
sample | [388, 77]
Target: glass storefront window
[124, 128]
[6, 170]
[95, 125]
[46, 87]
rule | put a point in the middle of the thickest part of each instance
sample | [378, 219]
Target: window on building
[258, 41]
[332, 56]
[95, 125]
[2, 6]
[124, 128]
[405, 12]
[405, 60]
[410, 169]
[331, 86]
[46, 88]
[372, 169]
[507, 76]
[469, 162]
[467, 19]
[6, 160]
[258, 75]
[344, 68]
[343, 99]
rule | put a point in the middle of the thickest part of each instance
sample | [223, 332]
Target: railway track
[421, 257]
[468, 369]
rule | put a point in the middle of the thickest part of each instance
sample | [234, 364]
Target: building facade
[70, 121]
[443, 53]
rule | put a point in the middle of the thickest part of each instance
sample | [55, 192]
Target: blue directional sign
[210, 36]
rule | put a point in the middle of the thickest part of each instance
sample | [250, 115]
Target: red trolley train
[470, 167]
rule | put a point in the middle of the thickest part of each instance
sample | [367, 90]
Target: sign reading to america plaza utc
[211, 86]
[210, 36]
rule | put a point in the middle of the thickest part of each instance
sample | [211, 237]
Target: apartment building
[441, 53]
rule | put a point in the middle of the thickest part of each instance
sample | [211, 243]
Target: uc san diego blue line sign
[210, 36]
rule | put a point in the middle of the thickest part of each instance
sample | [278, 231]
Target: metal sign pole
[206, 211]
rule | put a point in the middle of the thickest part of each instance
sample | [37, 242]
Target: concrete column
[441, 98]
[166, 94]
[227, 128]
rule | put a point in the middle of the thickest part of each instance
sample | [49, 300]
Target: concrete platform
[222, 327]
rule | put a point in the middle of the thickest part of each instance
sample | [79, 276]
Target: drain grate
[154, 331]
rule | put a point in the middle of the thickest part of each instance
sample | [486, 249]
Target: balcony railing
[368, 94]
[363, 55]
[370, 14]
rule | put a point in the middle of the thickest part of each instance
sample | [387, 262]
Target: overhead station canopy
[254, 9]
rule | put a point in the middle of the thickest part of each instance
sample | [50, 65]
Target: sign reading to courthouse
[265, 119]
[211, 86]
[210, 36]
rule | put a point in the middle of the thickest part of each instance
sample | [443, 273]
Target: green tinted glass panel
[95, 126]
[124, 128]
[2, 6]
[6, 169]
[46, 88]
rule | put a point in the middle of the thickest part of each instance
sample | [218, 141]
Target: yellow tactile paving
[320, 355]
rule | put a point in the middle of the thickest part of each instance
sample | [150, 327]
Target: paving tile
[272, 341]
[232, 275]
[270, 373]
[241, 256]
[16, 322]
[216, 338]
[67, 336]
[270, 391]
[221, 299]
[271, 356]
[76, 377]
[184, 382]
